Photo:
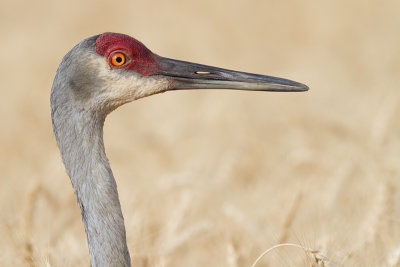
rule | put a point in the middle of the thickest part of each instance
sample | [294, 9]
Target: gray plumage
[79, 132]
[86, 88]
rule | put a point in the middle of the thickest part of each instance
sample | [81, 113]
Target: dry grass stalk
[34, 195]
[393, 259]
[289, 219]
[319, 259]
[232, 255]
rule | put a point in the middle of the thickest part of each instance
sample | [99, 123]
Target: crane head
[108, 70]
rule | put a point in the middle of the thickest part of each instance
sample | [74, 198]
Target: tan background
[214, 178]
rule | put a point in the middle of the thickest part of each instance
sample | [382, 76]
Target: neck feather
[79, 135]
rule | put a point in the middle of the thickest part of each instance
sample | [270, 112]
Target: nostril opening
[202, 72]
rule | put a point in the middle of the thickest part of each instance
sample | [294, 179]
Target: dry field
[215, 178]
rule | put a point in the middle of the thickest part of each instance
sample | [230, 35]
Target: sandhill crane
[94, 78]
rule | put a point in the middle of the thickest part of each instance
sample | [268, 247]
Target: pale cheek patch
[123, 86]
[151, 85]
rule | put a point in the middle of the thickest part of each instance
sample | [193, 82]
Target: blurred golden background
[215, 178]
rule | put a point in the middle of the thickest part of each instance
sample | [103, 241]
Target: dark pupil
[119, 59]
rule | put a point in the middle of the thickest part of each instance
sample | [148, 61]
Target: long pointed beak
[187, 75]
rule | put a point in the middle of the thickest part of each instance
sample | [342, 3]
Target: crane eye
[118, 59]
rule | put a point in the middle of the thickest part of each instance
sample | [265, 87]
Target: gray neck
[79, 135]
